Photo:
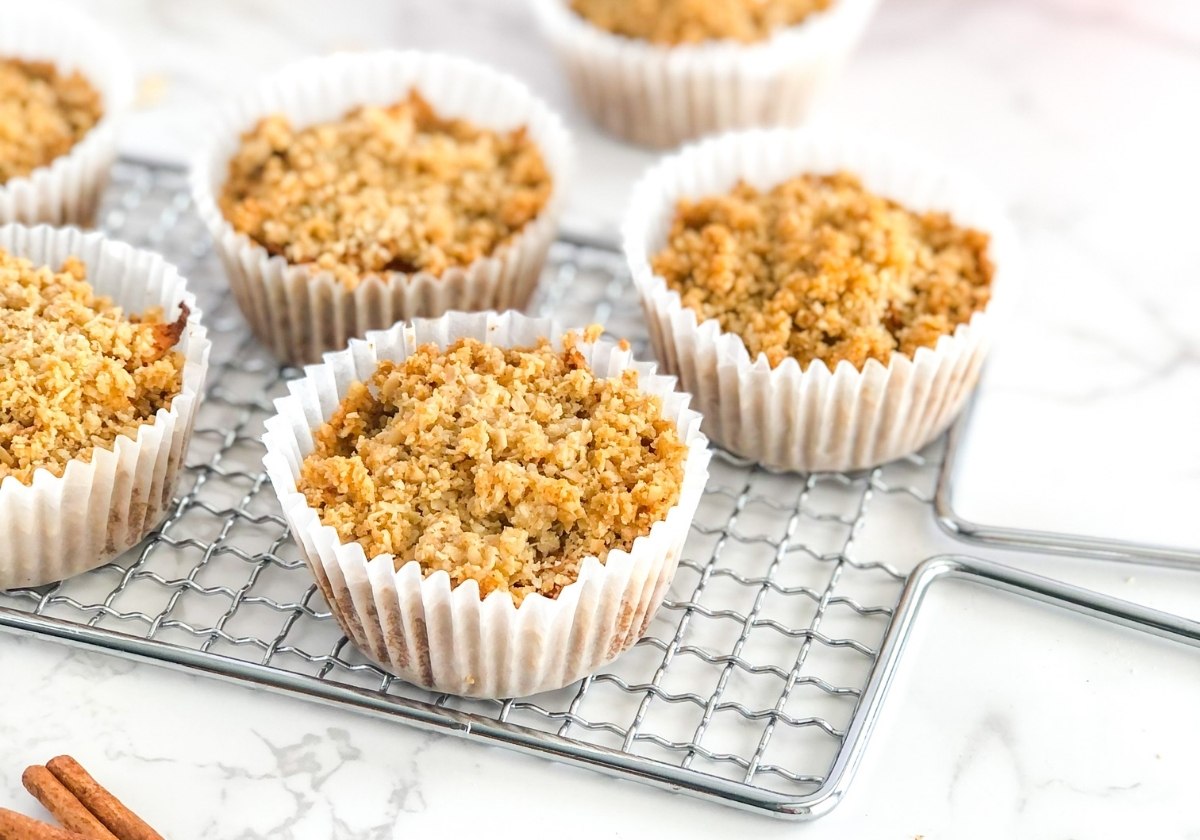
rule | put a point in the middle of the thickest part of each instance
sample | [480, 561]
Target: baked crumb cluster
[77, 371]
[821, 268]
[42, 114]
[504, 466]
[384, 189]
[693, 21]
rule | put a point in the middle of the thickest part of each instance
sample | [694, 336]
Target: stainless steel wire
[744, 688]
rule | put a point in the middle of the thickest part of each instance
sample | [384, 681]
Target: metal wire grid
[751, 673]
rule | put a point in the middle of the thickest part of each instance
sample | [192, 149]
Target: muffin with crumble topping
[831, 310]
[393, 188]
[43, 114]
[819, 268]
[64, 85]
[659, 72]
[104, 363]
[511, 506]
[676, 22]
[355, 191]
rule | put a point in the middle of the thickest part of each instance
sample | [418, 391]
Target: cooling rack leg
[1044, 542]
[997, 576]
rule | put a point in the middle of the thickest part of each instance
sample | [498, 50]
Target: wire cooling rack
[758, 683]
[751, 686]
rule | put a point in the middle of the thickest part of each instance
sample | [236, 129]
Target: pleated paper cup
[812, 419]
[300, 313]
[660, 96]
[57, 527]
[449, 639]
[67, 190]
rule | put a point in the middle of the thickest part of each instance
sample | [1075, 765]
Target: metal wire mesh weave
[750, 674]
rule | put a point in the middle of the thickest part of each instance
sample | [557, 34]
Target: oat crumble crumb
[820, 268]
[675, 22]
[504, 466]
[78, 372]
[384, 189]
[43, 113]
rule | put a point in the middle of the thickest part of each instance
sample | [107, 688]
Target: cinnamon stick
[109, 810]
[14, 826]
[69, 811]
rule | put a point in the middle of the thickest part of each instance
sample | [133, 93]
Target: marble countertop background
[1007, 720]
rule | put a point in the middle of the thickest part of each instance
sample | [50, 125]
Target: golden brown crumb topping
[77, 371]
[693, 21]
[395, 189]
[820, 268]
[42, 114]
[504, 466]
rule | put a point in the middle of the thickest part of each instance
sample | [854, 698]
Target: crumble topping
[821, 268]
[504, 466]
[674, 22]
[42, 114]
[384, 189]
[77, 371]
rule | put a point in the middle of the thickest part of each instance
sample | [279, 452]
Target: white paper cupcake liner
[56, 527]
[815, 419]
[300, 314]
[67, 190]
[661, 96]
[449, 639]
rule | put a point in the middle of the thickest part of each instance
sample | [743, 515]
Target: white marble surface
[1007, 720]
